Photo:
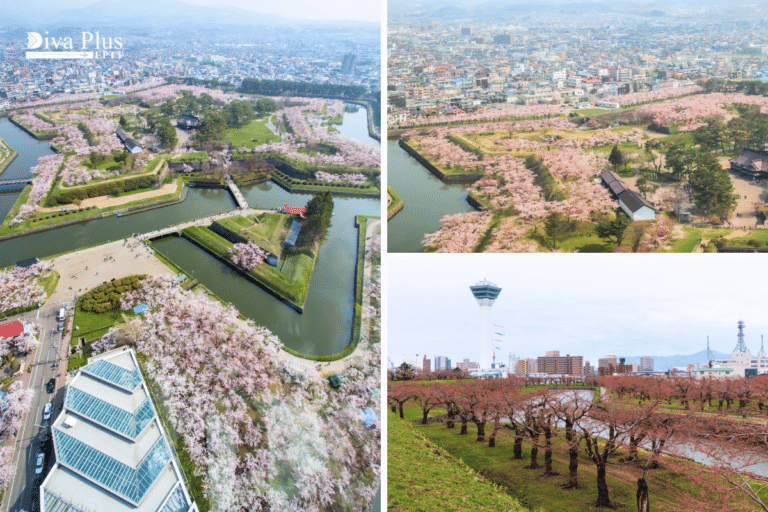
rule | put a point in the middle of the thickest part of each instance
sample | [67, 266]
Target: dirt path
[106, 201]
[82, 270]
[748, 193]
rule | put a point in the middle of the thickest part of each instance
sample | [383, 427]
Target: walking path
[239, 198]
[200, 222]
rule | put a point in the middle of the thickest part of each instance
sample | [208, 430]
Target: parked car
[40, 462]
[47, 411]
[50, 386]
[61, 325]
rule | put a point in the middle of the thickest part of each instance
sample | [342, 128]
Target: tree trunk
[603, 501]
[643, 500]
[463, 427]
[534, 453]
[400, 406]
[480, 431]
[548, 452]
[425, 413]
[494, 431]
[394, 407]
[451, 415]
[573, 457]
[518, 449]
[633, 447]
[573, 469]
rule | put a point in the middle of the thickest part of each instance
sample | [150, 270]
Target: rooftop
[111, 451]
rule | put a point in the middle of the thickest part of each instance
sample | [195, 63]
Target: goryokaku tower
[486, 294]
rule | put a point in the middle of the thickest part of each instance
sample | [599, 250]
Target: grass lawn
[668, 489]
[590, 111]
[692, 236]
[200, 156]
[423, 477]
[92, 324]
[267, 230]
[254, 134]
[290, 279]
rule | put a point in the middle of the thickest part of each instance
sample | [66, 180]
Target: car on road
[47, 411]
[50, 386]
[40, 462]
[61, 325]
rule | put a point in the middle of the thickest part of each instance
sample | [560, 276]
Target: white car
[40, 461]
[47, 411]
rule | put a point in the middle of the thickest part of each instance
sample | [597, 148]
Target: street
[48, 361]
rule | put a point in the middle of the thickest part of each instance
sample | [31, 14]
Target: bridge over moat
[11, 184]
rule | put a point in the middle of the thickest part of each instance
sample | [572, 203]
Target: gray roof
[634, 201]
[111, 449]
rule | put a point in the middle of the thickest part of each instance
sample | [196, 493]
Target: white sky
[355, 10]
[589, 305]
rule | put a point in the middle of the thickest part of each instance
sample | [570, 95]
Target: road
[23, 493]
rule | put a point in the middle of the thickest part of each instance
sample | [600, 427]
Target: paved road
[23, 493]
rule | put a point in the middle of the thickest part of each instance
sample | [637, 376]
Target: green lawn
[254, 134]
[422, 477]
[395, 198]
[199, 156]
[591, 111]
[668, 489]
[290, 279]
[267, 230]
[94, 325]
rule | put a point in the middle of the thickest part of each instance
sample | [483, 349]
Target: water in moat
[355, 126]
[427, 200]
[326, 325]
[29, 150]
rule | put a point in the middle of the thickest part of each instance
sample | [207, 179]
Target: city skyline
[657, 312]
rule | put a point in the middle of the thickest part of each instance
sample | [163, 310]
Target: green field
[669, 489]
[289, 280]
[254, 134]
[267, 230]
[422, 476]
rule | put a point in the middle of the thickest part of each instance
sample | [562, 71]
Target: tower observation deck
[485, 293]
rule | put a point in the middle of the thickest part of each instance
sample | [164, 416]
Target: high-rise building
[466, 31]
[467, 365]
[486, 294]
[554, 364]
[502, 39]
[426, 365]
[609, 359]
[646, 364]
[348, 66]
[442, 363]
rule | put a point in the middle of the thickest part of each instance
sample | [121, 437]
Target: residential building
[646, 364]
[442, 363]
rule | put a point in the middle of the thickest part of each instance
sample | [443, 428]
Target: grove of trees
[639, 423]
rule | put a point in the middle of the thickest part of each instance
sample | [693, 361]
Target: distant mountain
[662, 363]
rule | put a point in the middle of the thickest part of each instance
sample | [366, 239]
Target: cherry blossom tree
[247, 255]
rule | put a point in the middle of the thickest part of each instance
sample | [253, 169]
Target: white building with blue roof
[112, 452]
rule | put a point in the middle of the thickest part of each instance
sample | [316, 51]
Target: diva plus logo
[87, 46]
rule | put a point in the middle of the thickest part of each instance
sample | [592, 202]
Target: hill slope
[422, 477]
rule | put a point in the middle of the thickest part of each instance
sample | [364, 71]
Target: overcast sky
[354, 10]
[589, 305]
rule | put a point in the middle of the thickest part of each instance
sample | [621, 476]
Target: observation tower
[486, 294]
